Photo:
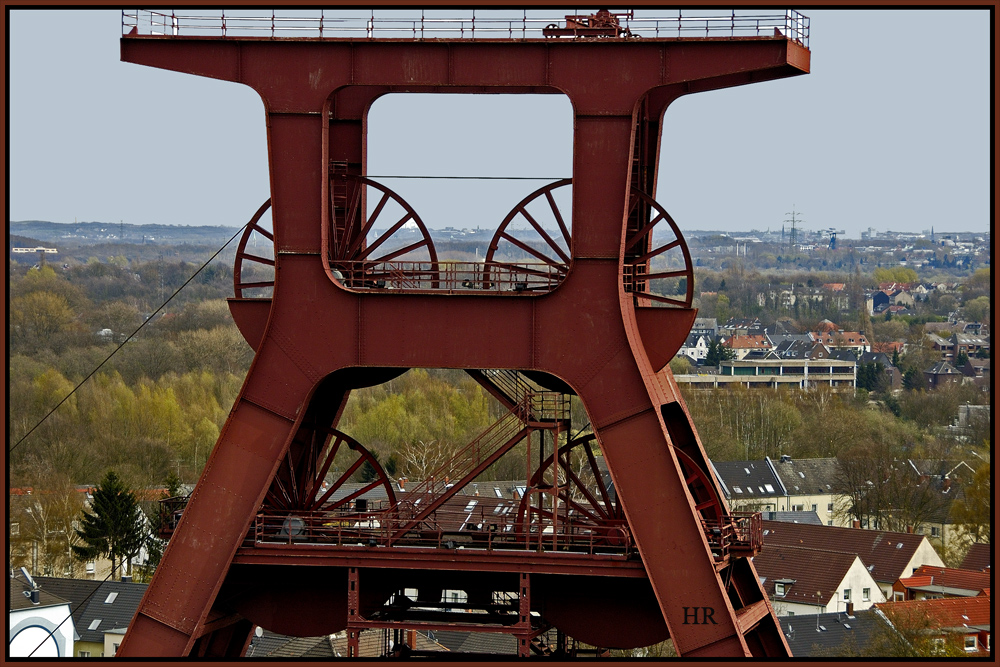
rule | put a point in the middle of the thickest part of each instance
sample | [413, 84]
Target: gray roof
[113, 611]
[793, 517]
[492, 643]
[17, 587]
[839, 634]
[807, 476]
[942, 368]
[745, 480]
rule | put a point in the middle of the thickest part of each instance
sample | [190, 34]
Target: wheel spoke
[544, 235]
[528, 249]
[363, 234]
[642, 259]
[402, 251]
[558, 216]
[382, 239]
[642, 232]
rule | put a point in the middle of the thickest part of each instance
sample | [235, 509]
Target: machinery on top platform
[620, 536]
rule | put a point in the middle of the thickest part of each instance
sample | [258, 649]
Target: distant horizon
[721, 232]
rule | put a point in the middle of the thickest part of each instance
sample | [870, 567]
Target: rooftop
[886, 553]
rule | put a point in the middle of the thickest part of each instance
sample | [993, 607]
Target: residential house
[37, 626]
[799, 580]
[929, 582]
[102, 615]
[830, 635]
[970, 344]
[749, 486]
[695, 348]
[965, 622]
[809, 486]
[705, 326]
[741, 326]
[942, 346]
[800, 347]
[947, 479]
[977, 372]
[744, 344]
[942, 373]
[886, 555]
[855, 341]
[979, 557]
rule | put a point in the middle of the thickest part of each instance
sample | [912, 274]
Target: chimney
[850, 609]
[126, 579]
[855, 524]
[402, 483]
[35, 596]
[946, 483]
[909, 529]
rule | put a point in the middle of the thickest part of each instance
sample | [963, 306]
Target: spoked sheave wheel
[657, 264]
[531, 249]
[253, 271]
[377, 239]
[577, 501]
[302, 485]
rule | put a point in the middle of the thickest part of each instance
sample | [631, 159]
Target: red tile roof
[814, 570]
[877, 548]
[944, 612]
[980, 557]
[932, 575]
[753, 342]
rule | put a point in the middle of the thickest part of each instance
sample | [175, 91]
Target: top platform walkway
[401, 24]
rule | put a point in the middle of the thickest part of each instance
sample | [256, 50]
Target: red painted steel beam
[585, 332]
[452, 560]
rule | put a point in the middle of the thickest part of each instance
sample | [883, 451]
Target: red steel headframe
[316, 336]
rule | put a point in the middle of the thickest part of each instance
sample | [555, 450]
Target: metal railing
[739, 534]
[444, 24]
[447, 276]
[443, 529]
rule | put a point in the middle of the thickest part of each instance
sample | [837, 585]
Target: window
[94, 624]
[897, 597]
[814, 508]
[114, 649]
[15, 528]
[866, 594]
[830, 522]
[935, 531]
[970, 643]
[84, 654]
[91, 566]
[779, 590]
[111, 598]
[937, 645]
[791, 613]
[847, 594]
[798, 508]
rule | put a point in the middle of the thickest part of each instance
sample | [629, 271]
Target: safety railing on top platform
[444, 24]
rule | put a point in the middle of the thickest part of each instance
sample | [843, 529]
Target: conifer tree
[114, 527]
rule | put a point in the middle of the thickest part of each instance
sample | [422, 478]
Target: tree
[872, 377]
[717, 352]
[116, 526]
[972, 511]
[977, 310]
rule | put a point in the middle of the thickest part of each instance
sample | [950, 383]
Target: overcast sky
[891, 130]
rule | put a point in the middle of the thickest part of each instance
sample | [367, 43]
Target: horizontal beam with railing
[444, 24]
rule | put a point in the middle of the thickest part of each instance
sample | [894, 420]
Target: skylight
[94, 623]
[737, 489]
[496, 490]
[472, 503]
[111, 598]
[802, 474]
[770, 489]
